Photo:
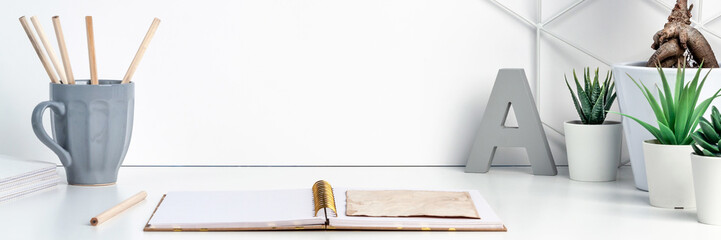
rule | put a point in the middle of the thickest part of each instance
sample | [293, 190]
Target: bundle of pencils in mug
[64, 71]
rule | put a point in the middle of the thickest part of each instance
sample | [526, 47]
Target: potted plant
[593, 145]
[669, 45]
[706, 165]
[667, 157]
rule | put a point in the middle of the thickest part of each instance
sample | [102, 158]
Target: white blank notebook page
[200, 207]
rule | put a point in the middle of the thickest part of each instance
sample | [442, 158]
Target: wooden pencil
[63, 50]
[49, 49]
[143, 46]
[91, 50]
[43, 59]
[117, 209]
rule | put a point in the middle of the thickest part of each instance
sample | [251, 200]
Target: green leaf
[609, 96]
[700, 110]
[708, 130]
[684, 117]
[664, 105]
[595, 79]
[699, 139]
[597, 112]
[671, 113]
[694, 88]
[694, 82]
[610, 92]
[584, 120]
[677, 89]
[654, 105]
[697, 112]
[595, 93]
[587, 80]
[703, 106]
[716, 118]
[708, 153]
[667, 135]
[666, 87]
[582, 97]
[700, 86]
[606, 84]
[610, 102]
[595, 87]
[697, 150]
[679, 82]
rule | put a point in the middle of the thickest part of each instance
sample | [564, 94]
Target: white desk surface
[532, 207]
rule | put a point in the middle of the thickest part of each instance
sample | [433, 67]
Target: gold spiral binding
[323, 197]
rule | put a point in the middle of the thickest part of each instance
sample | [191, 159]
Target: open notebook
[323, 207]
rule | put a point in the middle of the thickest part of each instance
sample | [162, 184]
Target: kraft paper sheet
[406, 203]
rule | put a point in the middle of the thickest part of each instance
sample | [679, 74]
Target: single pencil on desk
[63, 50]
[122, 206]
[143, 46]
[91, 50]
[49, 49]
[38, 50]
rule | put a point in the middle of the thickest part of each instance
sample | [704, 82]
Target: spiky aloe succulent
[708, 137]
[594, 98]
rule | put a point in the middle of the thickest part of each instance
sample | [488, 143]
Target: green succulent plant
[708, 136]
[594, 98]
[677, 112]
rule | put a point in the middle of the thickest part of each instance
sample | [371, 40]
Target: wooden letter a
[511, 88]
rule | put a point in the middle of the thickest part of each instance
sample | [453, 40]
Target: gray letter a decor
[511, 88]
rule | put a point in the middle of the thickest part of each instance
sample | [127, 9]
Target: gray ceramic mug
[91, 126]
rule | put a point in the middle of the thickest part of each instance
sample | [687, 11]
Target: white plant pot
[668, 168]
[632, 102]
[594, 151]
[707, 184]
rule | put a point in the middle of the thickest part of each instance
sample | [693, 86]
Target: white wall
[320, 82]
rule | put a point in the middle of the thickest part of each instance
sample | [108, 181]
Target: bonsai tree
[594, 98]
[680, 44]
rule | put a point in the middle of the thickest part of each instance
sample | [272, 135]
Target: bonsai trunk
[676, 37]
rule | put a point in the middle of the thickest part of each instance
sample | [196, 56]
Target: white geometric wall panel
[326, 82]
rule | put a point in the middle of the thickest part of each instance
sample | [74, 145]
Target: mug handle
[39, 129]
